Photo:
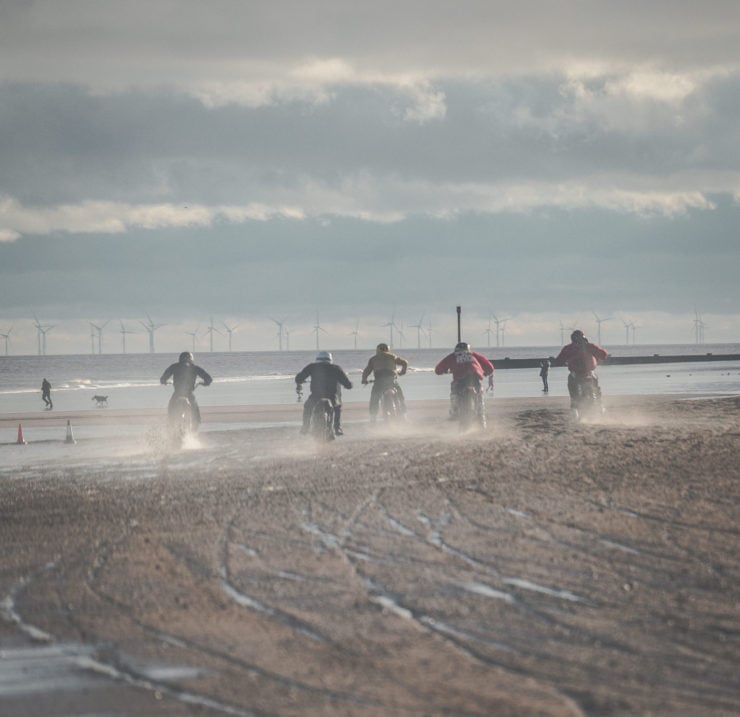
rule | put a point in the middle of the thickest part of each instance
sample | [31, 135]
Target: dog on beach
[100, 400]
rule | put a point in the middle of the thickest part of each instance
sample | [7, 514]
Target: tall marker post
[459, 338]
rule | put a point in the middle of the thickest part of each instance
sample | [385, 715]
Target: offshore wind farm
[302, 331]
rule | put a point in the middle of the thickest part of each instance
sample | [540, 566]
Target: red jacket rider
[464, 362]
[580, 356]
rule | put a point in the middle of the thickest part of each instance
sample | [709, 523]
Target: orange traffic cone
[70, 438]
[20, 440]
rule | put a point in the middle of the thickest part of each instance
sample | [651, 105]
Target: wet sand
[540, 567]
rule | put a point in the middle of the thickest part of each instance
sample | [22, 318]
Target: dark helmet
[577, 335]
[186, 357]
[462, 346]
[382, 348]
[324, 356]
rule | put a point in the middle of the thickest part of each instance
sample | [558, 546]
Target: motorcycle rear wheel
[322, 421]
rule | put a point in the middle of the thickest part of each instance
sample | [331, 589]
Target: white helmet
[324, 356]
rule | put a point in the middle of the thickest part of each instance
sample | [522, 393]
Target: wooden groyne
[620, 360]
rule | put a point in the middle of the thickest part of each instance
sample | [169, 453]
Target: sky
[347, 165]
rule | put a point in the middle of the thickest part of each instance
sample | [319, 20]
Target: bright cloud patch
[316, 82]
[91, 217]
[363, 197]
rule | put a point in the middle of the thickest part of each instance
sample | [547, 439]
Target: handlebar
[197, 383]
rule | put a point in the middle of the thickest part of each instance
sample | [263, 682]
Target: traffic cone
[20, 440]
[70, 438]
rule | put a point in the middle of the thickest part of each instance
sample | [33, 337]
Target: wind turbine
[627, 327]
[230, 330]
[210, 331]
[488, 333]
[356, 332]
[38, 334]
[151, 327]
[391, 325]
[401, 335]
[698, 328]
[500, 329]
[503, 332]
[419, 331]
[124, 331]
[6, 337]
[562, 333]
[634, 328]
[429, 332]
[192, 335]
[599, 321]
[317, 329]
[41, 335]
[99, 330]
[280, 324]
[44, 330]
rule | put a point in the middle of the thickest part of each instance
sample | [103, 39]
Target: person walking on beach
[46, 394]
[544, 371]
[581, 357]
[184, 374]
[383, 367]
[465, 365]
[327, 379]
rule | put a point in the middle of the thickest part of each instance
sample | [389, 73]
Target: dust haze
[538, 567]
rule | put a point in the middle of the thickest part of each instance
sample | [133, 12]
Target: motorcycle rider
[465, 365]
[184, 374]
[581, 357]
[383, 366]
[327, 379]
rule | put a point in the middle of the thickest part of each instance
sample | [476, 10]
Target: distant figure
[383, 367]
[544, 371]
[581, 357]
[46, 394]
[184, 374]
[327, 379]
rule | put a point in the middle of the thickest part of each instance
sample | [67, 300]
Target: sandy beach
[539, 567]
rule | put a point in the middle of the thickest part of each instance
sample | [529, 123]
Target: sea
[131, 381]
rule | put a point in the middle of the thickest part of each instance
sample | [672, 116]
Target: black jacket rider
[327, 380]
[184, 374]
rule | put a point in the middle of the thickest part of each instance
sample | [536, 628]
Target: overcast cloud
[537, 159]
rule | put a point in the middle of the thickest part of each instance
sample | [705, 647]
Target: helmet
[382, 348]
[577, 335]
[462, 346]
[186, 357]
[324, 356]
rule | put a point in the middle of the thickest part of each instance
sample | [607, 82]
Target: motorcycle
[468, 404]
[321, 419]
[586, 399]
[321, 425]
[390, 399]
[180, 419]
[470, 407]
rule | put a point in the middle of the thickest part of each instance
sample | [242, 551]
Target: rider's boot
[481, 407]
[453, 406]
[338, 421]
